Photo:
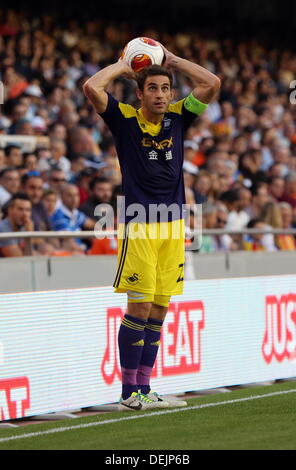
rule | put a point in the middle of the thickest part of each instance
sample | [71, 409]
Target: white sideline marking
[138, 416]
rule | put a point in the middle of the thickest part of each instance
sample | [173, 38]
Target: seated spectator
[237, 201]
[209, 220]
[2, 159]
[249, 167]
[14, 156]
[276, 188]
[254, 242]
[33, 187]
[56, 180]
[78, 164]
[18, 219]
[205, 144]
[260, 198]
[289, 195]
[100, 190]
[203, 187]
[189, 172]
[82, 182]
[68, 217]
[50, 198]
[223, 242]
[9, 184]
[272, 216]
[57, 159]
[30, 161]
[287, 214]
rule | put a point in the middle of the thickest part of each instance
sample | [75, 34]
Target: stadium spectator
[32, 186]
[68, 217]
[57, 159]
[287, 214]
[246, 137]
[259, 199]
[56, 180]
[203, 187]
[272, 216]
[82, 181]
[276, 188]
[100, 190]
[249, 167]
[237, 201]
[50, 199]
[18, 219]
[9, 184]
[2, 159]
[290, 189]
[209, 220]
[78, 164]
[14, 157]
[30, 162]
[223, 242]
[254, 242]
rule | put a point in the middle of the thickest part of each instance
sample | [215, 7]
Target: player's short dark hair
[152, 71]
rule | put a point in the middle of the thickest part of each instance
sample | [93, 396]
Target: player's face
[157, 94]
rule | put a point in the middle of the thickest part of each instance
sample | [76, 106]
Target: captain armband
[194, 105]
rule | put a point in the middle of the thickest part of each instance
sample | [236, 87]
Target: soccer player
[149, 143]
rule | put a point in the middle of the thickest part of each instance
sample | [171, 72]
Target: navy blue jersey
[150, 156]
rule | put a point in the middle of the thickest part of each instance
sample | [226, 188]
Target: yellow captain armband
[194, 105]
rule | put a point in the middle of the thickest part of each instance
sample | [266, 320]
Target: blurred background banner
[59, 348]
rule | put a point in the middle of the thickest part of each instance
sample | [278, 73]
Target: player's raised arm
[94, 87]
[205, 83]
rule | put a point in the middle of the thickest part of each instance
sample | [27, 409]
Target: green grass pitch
[243, 421]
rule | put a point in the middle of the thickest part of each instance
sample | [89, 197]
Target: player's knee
[139, 309]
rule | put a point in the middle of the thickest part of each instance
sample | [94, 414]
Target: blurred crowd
[240, 155]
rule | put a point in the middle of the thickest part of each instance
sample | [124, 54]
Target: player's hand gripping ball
[143, 52]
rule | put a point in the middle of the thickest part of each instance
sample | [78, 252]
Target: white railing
[113, 233]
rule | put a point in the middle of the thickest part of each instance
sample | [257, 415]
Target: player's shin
[131, 342]
[149, 354]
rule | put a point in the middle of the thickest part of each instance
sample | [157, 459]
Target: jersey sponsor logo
[279, 341]
[153, 155]
[14, 398]
[168, 155]
[163, 144]
[180, 350]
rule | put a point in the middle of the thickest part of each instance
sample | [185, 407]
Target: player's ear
[172, 93]
[139, 93]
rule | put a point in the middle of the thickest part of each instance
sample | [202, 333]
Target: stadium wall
[58, 349]
[42, 273]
